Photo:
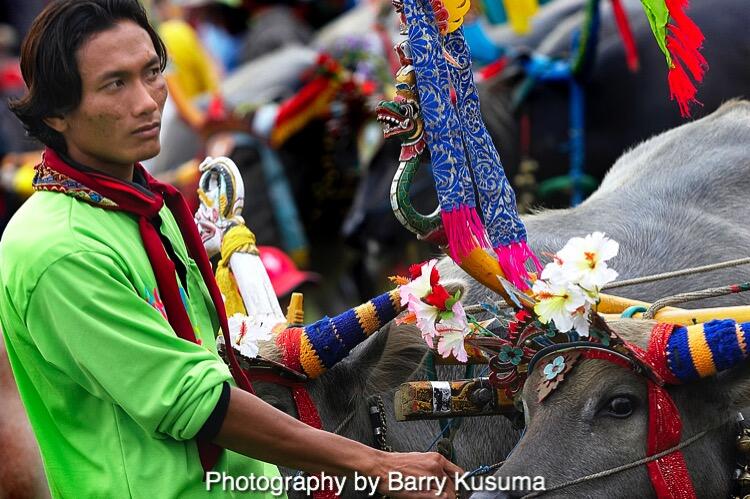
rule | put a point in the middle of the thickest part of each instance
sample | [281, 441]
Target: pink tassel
[512, 259]
[464, 230]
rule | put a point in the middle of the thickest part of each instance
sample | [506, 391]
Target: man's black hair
[48, 58]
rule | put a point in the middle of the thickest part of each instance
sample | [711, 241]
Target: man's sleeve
[90, 323]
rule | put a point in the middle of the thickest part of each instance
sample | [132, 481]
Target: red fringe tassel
[631, 51]
[684, 43]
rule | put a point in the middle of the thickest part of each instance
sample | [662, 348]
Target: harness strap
[306, 410]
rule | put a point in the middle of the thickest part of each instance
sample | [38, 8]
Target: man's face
[118, 120]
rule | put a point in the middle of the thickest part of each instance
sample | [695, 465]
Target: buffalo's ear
[736, 382]
[402, 354]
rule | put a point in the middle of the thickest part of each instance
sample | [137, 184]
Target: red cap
[284, 274]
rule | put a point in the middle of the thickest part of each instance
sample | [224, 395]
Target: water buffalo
[673, 202]
[687, 185]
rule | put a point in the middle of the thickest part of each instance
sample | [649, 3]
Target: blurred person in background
[272, 25]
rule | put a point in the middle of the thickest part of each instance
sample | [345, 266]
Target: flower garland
[569, 286]
[438, 314]
[562, 300]
[245, 332]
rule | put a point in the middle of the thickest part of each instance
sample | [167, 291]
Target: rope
[676, 273]
[484, 469]
[343, 423]
[628, 466]
[695, 295]
[476, 309]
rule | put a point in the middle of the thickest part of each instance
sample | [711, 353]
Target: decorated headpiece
[244, 285]
[464, 159]
[546, 337]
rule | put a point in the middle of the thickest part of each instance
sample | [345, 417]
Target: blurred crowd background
[288, 90]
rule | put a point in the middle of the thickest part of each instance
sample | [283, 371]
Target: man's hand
[436, 474]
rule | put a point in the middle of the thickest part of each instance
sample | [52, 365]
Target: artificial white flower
[245, 333]
[427, 315]
[558, 303]
[581, 320]
[584, 260]
[451, 334]
[554, 272]
[419, 287]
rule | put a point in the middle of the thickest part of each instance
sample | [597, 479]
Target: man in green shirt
[108, 307]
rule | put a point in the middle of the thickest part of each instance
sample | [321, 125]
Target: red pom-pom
[437, 297]
[415, 270]
[434, 277]
[523, 315]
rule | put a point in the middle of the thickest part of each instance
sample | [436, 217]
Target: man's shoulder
[50, 226]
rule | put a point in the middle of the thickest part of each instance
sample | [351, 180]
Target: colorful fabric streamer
[680, 41]
[464, 159]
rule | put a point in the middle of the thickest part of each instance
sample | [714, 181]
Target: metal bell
[743, 443]
[744, 480]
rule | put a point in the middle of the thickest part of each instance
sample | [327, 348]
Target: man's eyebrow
[152, 62]
[121, 73]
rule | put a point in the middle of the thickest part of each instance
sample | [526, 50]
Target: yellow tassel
[238, 238]
[519, 14]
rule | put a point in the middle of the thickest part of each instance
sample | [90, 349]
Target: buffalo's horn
[702, 350]
[317, 347]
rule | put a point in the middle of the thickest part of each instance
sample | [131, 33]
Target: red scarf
[145, 202]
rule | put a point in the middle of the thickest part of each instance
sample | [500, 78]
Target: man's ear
[56, 123]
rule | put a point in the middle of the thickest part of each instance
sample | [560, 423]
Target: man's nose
[144, 101]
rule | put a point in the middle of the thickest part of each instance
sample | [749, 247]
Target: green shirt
[115, 398]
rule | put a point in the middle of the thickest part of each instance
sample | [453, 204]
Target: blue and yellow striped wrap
[703, 350]
[329, 340]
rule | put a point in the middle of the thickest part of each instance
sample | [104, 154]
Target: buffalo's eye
[619, 407]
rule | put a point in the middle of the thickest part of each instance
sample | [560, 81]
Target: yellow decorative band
[703, 359]
[367, 316]
[741, 340]
[309, 360]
